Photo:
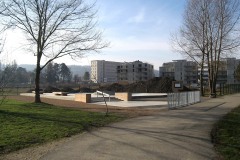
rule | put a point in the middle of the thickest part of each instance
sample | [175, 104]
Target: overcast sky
[137, 30]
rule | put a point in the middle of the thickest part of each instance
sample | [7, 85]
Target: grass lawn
[226, 135]
[26, 124]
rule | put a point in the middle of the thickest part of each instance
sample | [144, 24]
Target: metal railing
[183, 99]
[103, 94]
[225, 89]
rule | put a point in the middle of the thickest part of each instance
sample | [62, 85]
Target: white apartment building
[135, 71]
[180, 70]
[110, 72]
[104, 71]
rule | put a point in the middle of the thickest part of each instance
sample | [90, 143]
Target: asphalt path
[170, 135]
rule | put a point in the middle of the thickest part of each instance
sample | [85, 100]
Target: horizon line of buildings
[180, 70]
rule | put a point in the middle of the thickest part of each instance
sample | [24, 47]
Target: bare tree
[210, 31]
[3, 82]
[6, 77]
[55, 28]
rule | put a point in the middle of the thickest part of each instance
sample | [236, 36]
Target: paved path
[170, 135]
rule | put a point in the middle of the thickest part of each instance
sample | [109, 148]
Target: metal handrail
[104, 94]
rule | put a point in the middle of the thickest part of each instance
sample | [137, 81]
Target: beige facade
[104, 71]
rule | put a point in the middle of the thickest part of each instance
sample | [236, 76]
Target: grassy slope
[26, 124]
[227, 135]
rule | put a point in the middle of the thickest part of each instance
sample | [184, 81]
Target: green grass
[226, 135]
[26, 124]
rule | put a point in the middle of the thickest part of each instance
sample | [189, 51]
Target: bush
[85, 90]
[67, 89]
[50, 89]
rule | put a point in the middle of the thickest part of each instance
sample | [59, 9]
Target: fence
[12, 91]
[225, 89]
[183, 99]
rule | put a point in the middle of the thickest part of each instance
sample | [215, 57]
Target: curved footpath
[172, 135]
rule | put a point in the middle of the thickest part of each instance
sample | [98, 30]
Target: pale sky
[136, 29]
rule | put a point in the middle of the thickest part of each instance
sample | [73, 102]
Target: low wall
[85, 98]
[125, 96]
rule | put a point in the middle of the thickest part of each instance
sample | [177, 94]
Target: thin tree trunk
[201, 73]
[201, 80]
[37, 83]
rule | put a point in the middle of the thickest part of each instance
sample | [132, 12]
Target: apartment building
[188, 72]
[110, 72]
[180, 70]
[104, 71]
[227, 69]
[135, 71]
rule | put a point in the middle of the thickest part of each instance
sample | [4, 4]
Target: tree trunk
[201, 82]
[213, 89]
[37, 83]
[212, 86]
[201, 75]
